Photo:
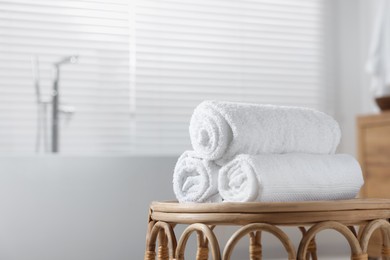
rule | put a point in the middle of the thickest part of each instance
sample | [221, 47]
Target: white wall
[352, 22]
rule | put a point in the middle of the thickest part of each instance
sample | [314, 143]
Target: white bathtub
[94, 208]
[65, 207]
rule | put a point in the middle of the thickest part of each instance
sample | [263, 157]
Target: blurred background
[96, 97]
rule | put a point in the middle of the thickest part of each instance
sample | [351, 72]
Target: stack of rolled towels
[250, 152]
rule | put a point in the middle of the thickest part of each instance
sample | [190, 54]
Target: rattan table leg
[203, 247]
[384, 227]
[205, 236]
[255, 250]
[163, 251]
[312, 248]
[149, 254]
[202, 253]
[356, 250]
[254, 227]
[167, 241]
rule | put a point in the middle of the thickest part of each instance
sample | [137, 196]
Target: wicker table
[254, 218]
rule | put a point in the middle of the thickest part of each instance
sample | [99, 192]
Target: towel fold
[290, 177]
[195, 179]
[221, 130]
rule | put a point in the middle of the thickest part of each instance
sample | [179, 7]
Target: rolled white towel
[220, 130]
[195, 179]
[290, 177]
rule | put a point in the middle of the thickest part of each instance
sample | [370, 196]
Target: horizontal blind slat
[97, 87]
[139, 95]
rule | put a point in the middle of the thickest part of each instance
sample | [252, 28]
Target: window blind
[145, 64]
[97, 87]
[263, 51]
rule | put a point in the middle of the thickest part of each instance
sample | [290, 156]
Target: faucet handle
[65, 109]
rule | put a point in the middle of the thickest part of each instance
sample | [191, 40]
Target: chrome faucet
[56, 100]
[43, 104]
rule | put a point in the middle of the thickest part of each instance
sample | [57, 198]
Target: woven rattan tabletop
[306, 212]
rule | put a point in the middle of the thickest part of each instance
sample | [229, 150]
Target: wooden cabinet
[374, 157]
[374, 154]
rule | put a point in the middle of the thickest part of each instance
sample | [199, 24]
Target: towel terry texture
[195, 179]
[290, 177]
[221, 130]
